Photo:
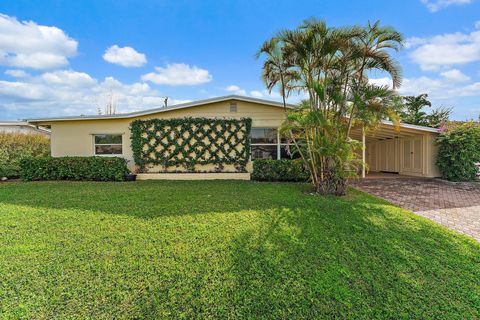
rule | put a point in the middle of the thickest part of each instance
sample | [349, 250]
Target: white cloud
[126, 56]
[68, 78]
[232, 88]
[70, 92]
[256, 94]
[450, 84]
[435, 5]
[178, 74]
[16, 73]
[445, 50]
[477, 24]
[455, 75]
[236, 90]
[29, 45]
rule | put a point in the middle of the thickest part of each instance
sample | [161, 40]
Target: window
[107, 144]
[267, 144]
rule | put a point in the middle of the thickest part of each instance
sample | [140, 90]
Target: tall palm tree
[331, 65]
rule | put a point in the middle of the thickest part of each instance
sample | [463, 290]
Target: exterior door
[413, 155]
[417, 155]
[391, 155]
[372, 156]
[407, 155]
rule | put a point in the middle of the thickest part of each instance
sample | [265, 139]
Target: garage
[405, 149]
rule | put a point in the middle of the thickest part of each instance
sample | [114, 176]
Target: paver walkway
[456, 206]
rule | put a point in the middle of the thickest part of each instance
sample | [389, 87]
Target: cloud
[126, 56]
[16, 73]
[445, 50]
[177, 74]
[68, 92]
[29, 45]
[455, 75]
[448, 85]
[236, 90]
[256, 94]
[435, 5]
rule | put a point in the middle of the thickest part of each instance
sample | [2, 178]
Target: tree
[412, 111]
[331, 67]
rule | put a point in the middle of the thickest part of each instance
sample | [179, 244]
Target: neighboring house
[409, 150]
[22, 127]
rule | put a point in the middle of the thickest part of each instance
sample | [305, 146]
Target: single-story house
[408, 150]
[22, 127]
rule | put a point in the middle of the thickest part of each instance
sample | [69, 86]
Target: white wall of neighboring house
[22, 127]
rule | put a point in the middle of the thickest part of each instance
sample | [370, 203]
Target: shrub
[186, 142]
[458, 152]
[279, 170]
[15, 146]
[74, 168]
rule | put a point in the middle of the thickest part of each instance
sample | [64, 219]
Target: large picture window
[107, 144]
[266, 143]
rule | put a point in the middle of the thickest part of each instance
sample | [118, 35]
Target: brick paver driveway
[456, 206]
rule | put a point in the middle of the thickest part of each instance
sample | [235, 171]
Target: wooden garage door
[413, 155]
[387, 154]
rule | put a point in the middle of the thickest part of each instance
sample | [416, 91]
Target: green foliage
[15, 146]
[411, 110]
[331, 66]
[187, 142]
[74, 168]
[458, 151]
[225, 250]
[279, 170]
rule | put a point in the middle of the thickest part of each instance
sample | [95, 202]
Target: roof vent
[233, 107]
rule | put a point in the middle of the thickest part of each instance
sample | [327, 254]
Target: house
[408, 150]
[22, 127]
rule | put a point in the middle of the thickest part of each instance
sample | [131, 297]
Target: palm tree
[331, 66]
[413, 106]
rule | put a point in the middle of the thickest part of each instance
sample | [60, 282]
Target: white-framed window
[107, 144]
[266, 143]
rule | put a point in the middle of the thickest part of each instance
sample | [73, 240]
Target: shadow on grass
[358, 261]
[151, 199]
[302, 256]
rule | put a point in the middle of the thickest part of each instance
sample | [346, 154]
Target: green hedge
[15, 146]
[187, 142]
[74, 168]
[279, 170]
[458, 151]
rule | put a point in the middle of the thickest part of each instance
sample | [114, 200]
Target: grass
[179, 249]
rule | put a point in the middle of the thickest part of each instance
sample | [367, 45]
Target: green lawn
[152, 250]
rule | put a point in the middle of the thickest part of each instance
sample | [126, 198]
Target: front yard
[179, 249]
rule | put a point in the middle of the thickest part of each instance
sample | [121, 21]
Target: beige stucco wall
[75, 138]
[395, 155]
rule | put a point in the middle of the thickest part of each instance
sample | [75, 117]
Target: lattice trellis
[190, 141]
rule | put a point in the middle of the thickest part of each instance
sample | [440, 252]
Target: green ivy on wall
[187, 142]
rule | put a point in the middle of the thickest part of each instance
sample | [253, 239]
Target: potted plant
[130, 176]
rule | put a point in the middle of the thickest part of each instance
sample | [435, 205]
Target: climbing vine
[188, 142]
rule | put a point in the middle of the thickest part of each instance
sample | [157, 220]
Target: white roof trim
[163, 109]
[199, 103]
[411, 126]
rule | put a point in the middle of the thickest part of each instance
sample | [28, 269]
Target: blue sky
[70, 57]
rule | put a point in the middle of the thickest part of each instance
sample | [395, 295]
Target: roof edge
[162, 109]
[412, 126]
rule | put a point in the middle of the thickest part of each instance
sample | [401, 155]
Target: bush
[74, 168]
[279, 170]
[15, 146]
[458, 152]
